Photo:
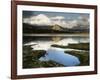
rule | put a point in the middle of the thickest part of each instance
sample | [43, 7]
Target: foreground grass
[31, 59]
[83, 56]
[80, 46]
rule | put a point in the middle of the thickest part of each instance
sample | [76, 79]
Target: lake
[53, 53]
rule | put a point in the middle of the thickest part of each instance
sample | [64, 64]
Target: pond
[57, 54]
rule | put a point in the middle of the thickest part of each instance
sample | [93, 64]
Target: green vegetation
[83, 56]
[31, 56]
[50, 64]
[31, 59]
[80, 46]
[36, 54]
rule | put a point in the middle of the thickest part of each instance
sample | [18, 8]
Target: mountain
[27, 28]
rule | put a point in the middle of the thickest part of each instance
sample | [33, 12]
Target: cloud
[43, 19]
[40, 19]
[83, 21]
[57, 18]
[73, 23]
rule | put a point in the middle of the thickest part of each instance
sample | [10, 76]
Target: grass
[83, 56]
[38, 53]
[31, 59]
[50, 64]
[80, 46]
[31, 56]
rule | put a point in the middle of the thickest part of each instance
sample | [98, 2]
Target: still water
[59, 56]
[54, 53]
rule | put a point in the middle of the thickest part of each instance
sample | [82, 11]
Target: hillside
[27, 28]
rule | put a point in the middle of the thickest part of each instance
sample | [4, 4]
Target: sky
[64, 19]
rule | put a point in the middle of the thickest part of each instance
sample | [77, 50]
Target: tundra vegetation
[82, 51]
[31, 56]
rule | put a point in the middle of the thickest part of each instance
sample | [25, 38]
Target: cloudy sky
[66, 20]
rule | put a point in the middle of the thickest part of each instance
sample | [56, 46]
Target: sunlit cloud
[42, 19]
[57, 18]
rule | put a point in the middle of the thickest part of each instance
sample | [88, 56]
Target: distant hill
[27, 28]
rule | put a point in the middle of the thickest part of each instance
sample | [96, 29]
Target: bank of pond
[56, 56]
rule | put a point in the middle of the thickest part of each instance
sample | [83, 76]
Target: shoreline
[81, 34]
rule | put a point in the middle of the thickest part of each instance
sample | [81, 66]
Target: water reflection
[46, 42]
[59, 56]
[54, 53]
